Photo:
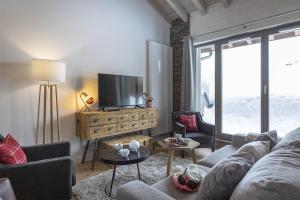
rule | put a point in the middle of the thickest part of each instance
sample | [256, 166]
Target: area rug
[152, 170]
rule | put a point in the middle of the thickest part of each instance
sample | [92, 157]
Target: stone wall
[179, 29]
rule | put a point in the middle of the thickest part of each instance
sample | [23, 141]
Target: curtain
[188, 82]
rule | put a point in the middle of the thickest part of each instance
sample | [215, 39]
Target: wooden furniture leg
[193, 152]
[170, 160]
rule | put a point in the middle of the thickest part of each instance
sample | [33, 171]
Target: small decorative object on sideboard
[134, 145]
[147, 100]
[86, 101]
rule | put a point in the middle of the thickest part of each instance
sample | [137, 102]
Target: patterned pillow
[270, 136]
[11, 152]
[189, 121]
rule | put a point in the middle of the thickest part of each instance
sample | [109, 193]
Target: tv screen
[118, 90]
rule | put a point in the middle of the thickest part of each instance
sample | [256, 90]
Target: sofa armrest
[47, 151]
[239, 139]
[45, 179]
[137, 190]
[179, 129]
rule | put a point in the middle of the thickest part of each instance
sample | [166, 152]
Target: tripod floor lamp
[48, 73]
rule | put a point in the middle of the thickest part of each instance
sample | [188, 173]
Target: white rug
[152, 170]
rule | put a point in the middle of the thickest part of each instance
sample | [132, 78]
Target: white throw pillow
[258, 149]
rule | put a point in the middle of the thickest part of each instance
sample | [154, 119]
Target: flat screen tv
[119, 91]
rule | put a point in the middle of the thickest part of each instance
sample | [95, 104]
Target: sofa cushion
[275, 176]
[136, 190]
[221, 181]
[258, 149]
[167, 187]
[218, 156]
[204, 138]
[289, 140]
[270, 136]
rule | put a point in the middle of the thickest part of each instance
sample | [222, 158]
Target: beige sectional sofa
[275, 176]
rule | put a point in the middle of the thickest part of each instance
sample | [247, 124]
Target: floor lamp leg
[51, 112]
[38, 117]
[45, 112]
[57, 115]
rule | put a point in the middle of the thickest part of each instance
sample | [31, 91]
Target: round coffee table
[112, 157]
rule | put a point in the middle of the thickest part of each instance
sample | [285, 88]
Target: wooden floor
[84, 171]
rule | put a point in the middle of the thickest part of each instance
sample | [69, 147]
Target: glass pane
[206, 83]
[241, 83]
[284, 81]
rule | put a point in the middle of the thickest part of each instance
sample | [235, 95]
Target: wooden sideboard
[97, 125]
[100, 125]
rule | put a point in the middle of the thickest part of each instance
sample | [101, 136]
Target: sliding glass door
[284, 80]
[241, 83]
[256, 80]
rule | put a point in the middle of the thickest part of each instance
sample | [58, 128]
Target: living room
[149, 99]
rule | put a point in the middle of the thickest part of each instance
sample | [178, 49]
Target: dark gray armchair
[49, 173]
[205, 134]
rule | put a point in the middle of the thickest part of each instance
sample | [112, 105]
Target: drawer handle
[97, 130]
[110, 128]
[109, 119]
[122, 117]
[143, 123]
[143, 115]
[134, 124]
[122, 126]
[96, 120]
[132, 117]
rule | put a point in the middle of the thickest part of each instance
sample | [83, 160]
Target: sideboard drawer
[109, 119]
[143, 115]
[96, 120]
[97, 131]
[133, 116]
[111, 128]
[122, 118]
[152, 114]
[123, 127]
[135, 125]
[152, 123]
[144, 124]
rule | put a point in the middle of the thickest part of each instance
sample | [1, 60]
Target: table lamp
[48, 73]
[87, 100]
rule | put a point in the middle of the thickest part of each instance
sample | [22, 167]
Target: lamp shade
[48, 71]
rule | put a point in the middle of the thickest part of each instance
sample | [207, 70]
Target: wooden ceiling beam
[200, 5]
[177, 7]
[226, 3]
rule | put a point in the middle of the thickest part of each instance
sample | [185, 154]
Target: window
[205, 88]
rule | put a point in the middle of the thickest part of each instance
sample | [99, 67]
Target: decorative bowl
[124, 152]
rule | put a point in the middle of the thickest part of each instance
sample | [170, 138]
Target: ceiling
[173, 9]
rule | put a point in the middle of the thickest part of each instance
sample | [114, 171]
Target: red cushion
[11, 152]
[189, 121]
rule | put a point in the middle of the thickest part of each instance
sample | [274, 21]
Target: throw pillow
[11, 152]
[220, 182]
[270, 136]
[258, 149]
[189, 121]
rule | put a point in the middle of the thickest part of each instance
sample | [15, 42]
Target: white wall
[240, 12]
[91, 36]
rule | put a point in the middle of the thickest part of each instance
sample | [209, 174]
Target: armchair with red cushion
[191, 125]
[47, 173]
